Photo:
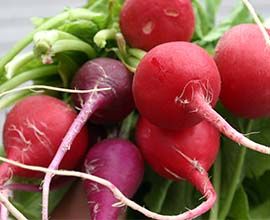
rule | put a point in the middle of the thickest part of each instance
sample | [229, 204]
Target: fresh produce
[112, 105]
[118, 161]
[245, 75]
[33, 130]
[63, 43]
[146, 24]
[182, 155]
[178, 90]
[106, 106]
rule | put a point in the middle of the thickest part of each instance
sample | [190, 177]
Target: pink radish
[121, 163]
[148, 23]
[177, 84]
[182, 155]
[33, 130]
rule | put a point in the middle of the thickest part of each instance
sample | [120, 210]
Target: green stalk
[132, 61]
[13, 66]
[138, 53]
[217, 185]
[78, 13]
[29, 75]
[78, 45]
[102, 36]
[235, 178]
[49, 43]
[10, 100]
[128, 125]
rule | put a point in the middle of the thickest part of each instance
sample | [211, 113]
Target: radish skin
[245, 76]
[32, 132]
[182, 155]
[146, 24]
[105, 160]
[178, 90]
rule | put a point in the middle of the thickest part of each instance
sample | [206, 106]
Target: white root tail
[118, 195]
[257, 21]
[208, 113]
[15, 212]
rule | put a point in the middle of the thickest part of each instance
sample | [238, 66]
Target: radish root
[209, 114]
[32, 87]
[206, 188]
[15, 212]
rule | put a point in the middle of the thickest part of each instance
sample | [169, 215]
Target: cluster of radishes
[175, 87]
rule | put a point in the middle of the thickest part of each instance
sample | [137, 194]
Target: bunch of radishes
[175, 87]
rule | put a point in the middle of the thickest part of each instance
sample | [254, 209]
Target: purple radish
[107, 106]
[118, 161]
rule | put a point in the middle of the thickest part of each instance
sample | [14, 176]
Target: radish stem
[29, 75]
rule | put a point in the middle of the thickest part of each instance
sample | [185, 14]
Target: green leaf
[29, 203]
[154, 200]
[180, 197]
[257, 164]
[240, 207]
[66, 68]
[212, 7]
[202, 23]
[110, 10]
[257, 189]
[232, 164]
[261, 212]
[239, 15]
[83, 29]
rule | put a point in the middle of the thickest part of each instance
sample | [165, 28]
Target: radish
[33, 130]
[148, 23]
[118, 161]
[246, 72]
[101, 107]
[177, 84]
[117, 103]
[182, 155]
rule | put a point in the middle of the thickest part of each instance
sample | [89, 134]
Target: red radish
[148, 23]
[187, 154]
[100, 107]
[177, 84]
[33, 130]
[118, 161]
[242, 57]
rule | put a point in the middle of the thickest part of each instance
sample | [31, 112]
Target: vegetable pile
[132, 96]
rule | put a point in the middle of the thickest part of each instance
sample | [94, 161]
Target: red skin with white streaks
[148, 23]
[33, 131]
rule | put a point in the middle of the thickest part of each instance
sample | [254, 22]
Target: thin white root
[53, 89]
[116, 192]
[15, 212]
[257, 21]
